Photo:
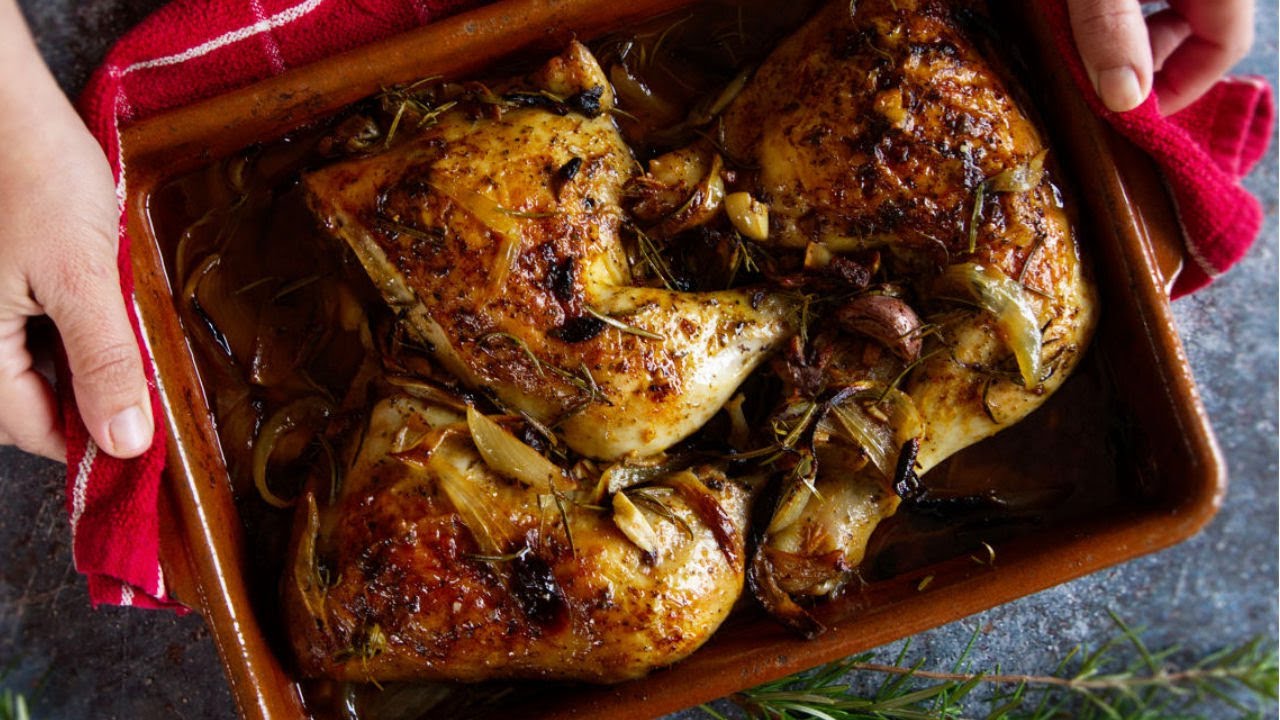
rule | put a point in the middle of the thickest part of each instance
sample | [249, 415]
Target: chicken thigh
[882, 131]
[431, 564]
[497, 237]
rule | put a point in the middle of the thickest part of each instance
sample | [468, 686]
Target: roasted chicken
[922, 290]
[882, 131]
[431, 564]
[498, 238]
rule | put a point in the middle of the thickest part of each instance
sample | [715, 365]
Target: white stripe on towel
[280, 19]
[78, 491]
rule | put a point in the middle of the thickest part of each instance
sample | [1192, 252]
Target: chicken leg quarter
[883, 127]
[499, 239]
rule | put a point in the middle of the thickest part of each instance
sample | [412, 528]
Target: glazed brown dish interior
[1107, 463]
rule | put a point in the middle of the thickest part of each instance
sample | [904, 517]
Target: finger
[1221, 33]
[1113, 43]
[29, 418]
[1168, 30]
[82, 297]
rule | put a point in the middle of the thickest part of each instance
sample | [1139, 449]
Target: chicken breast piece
[429, 565]
[496, 234]
[882, 125]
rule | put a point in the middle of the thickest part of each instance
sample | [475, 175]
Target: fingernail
[130, 432]
[1119, 89]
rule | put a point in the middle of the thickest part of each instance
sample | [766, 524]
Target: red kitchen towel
[186, 51]
[192, 49]
[1203, 152]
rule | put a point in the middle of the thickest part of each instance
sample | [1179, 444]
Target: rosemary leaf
[1121, 679]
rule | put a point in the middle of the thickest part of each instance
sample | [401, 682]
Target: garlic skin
[885, 319]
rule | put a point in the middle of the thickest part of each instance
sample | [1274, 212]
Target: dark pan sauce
[278, 313]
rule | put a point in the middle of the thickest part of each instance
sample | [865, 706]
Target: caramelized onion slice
[306, 572]
[794, 499]
[1007, 300]
[307, 412]
[630, 472]
[695, 493]
[878, 421]
[632, 522]
[506, 455]
[763, 582]
[464, 482]
[638, 98]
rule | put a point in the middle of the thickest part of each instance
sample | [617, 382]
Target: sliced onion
[795, 498]
[763, 582]
[706, 506]
[1007, 300]
[879, 422]
[500, 220]
[506, 455]
[462, 480]
[638, 98]
[306, 575]
[706, 113]
[632, 522]
[636, 471]
[483, 208]
[427, 391]
[309, 411]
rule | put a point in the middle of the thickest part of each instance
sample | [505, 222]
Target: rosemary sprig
[1121, 679]
[652, 256]
[13, 706]
[618, 324]
[538, 363]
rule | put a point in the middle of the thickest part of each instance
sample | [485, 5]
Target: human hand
[58, 257]
[1183, 49]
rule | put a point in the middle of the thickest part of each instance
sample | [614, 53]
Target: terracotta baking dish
[1171, 478]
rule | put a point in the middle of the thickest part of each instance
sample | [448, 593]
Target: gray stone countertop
[1218, 589]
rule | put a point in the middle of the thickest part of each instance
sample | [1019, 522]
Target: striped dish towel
[1203, 151]
[193, 49]
[186, 51]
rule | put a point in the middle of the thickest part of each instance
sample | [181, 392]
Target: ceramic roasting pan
[1127, 224]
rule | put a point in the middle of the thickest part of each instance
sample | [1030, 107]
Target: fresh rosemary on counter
[1122, 679]
[13, 706]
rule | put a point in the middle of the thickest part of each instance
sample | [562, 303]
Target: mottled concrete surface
[1217, 589]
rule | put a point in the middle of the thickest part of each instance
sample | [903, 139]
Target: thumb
[82, 297]
[1115, 49]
